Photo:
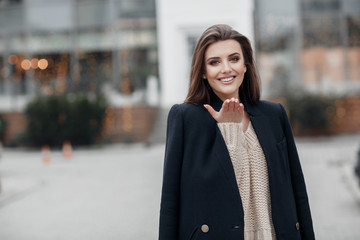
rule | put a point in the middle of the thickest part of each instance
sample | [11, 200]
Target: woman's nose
[226, 68]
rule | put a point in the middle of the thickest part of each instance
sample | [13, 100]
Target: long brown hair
[199, 87]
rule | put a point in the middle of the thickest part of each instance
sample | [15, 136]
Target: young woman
[231, 166]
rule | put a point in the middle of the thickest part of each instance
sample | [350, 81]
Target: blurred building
[52, 47]
[310, 43]
[138, 52]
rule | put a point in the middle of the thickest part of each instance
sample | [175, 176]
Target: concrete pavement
[334, 194]
[114, 192]
[110, 193]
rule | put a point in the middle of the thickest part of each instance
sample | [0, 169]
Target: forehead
[223, 48]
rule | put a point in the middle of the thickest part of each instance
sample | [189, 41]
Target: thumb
[210, 109]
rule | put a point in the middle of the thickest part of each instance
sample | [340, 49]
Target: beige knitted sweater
[252, 179]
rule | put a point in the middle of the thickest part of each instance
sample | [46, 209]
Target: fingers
[212, 112]
[231, 111]
[240, 108]
[232, 104]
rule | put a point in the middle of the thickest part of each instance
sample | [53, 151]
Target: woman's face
[225, 68]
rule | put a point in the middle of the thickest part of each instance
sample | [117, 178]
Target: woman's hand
[231, 111]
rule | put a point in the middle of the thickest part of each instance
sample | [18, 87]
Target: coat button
[205, 228]
[297, 226]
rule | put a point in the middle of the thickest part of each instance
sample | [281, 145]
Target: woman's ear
[204, 76]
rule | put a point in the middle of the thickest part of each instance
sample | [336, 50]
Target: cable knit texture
[252, 179]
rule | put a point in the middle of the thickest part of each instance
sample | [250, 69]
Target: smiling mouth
[225, 80]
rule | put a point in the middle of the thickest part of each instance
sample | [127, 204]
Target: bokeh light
[43, 64]
[13, 59]
[34, 63]
[26, 64]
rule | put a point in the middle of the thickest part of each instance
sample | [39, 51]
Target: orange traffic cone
[67, 150]
[46, 158]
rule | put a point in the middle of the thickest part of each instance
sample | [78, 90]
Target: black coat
[199, 185]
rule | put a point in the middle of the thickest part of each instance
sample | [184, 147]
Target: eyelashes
[232, 59]
[213, 62]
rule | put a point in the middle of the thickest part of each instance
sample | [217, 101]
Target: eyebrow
[214, 58]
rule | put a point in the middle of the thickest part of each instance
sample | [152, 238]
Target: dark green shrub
[53, 120]
[310, 112]
[2, 127]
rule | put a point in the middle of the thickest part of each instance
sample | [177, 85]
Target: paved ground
[114, 192]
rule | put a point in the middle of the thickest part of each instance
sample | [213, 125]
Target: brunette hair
[199, 87]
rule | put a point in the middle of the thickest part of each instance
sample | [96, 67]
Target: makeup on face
[225, 68]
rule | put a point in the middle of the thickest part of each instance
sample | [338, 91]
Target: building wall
[180, 23]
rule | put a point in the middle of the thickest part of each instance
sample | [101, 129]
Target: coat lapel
[221, 151]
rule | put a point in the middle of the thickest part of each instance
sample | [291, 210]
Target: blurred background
[99, 77]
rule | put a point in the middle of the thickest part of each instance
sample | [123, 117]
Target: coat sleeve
[298, 183]
[169, 207]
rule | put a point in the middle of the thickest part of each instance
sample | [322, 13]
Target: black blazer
[199, 185]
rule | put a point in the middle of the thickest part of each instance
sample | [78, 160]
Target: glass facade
[312, 43]
[57, 47]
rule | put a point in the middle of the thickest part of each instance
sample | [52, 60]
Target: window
[320, 5]
[353, 24]
[321, 30]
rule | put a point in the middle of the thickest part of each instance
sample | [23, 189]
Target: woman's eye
[214, 62]
[234, 59]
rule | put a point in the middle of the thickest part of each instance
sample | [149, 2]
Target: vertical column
[116, 71]
[29, 74]
[344, 39]
[299, 37]
[74, 61]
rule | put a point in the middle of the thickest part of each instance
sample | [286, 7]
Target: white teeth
[227, 79]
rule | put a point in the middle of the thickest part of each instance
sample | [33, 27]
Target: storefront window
[95, 68]
[276, 33]
[321, 30]
[83, 46]
[136, 65]
[18, 65]
[353, 24]
[52, 73]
